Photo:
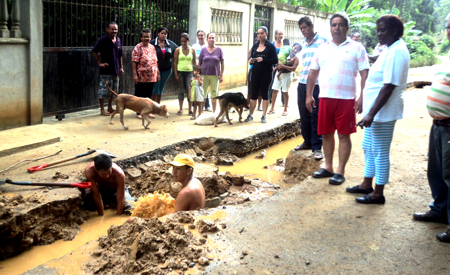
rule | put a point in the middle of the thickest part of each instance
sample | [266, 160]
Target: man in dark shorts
[111, 66]
[108, 186]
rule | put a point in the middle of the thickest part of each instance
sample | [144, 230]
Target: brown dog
[141, 105]
[228, 101]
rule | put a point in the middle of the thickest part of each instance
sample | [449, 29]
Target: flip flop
[284, 114]
[150, 116]
[105, 114]
[271, 113]
[139, 116]
[192, 118]
[302, 146]
[179, 113]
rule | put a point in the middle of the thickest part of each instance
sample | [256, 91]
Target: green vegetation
[423, 20]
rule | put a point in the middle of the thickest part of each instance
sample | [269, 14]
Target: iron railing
[262, 18]
[80, 23]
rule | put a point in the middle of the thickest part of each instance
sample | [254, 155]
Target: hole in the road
[419, 84]
[249, 178]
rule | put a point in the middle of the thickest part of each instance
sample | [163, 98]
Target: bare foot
[104, 113]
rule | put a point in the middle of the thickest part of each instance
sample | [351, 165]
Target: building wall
[21, 70]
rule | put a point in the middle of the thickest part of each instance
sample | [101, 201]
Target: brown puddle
[92, 229]
[252, 167]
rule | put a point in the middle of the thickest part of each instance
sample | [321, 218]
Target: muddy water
[252, 167]
[92, 229]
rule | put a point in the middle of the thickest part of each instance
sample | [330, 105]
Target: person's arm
[135, 76]
[175, 64]
[222, 69]
[121, 67]
[194, 57]
[120, 193]
[358, 104]
[382, 98]
[183, 201]
[310, 83]
[103, 65]
[95, 191]
[291, 68]
[200, 81]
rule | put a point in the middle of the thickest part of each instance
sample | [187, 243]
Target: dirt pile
[157, 176]
[39, 219]
[151, 246]
[299, 166]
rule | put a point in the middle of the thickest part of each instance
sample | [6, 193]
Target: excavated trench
[51, 214]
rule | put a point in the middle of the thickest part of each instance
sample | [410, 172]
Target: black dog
[228, 101]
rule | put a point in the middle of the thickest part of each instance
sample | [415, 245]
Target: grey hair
[341, 15]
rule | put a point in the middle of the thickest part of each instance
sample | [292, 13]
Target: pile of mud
[157, 176]
[151, 246]
[38, 219]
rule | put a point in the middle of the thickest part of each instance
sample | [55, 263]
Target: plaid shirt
[339, 66]
[307, 53]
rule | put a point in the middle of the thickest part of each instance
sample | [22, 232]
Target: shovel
[42, 166]
[62, 184]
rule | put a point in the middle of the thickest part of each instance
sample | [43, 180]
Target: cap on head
[182, 160]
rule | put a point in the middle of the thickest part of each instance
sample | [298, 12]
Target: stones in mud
[185, 217]
[134, 172]
[203, 261]
[190, 152]
[205, 144]
[261, 155]
[199, 151]
[144, 168]
[219, 160]
[213, 202]
[237, 180]
[205, 226]
[60, 175]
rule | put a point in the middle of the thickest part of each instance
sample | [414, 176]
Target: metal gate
[262, 18]
[71, 29]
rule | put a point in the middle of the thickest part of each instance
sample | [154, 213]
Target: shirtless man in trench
[192, 194]
[108, 184]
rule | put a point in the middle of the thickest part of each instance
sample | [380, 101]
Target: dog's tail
[217, 97]
[111, 89]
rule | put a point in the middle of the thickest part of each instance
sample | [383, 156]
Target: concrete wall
[21, 70]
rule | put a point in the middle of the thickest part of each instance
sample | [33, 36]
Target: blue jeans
[158, 89]
[439, 170]
[309, 120]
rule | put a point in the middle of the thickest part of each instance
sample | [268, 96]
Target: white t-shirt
[339, 65]
[197, 47]
[391, 67]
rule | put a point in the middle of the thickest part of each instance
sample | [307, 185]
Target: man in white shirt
[198, 47]
[338, 61]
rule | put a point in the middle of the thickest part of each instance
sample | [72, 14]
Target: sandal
[192, 118]
[179, 113]
[318, 155]
[284, 114]
[302, 146]
[271, 113]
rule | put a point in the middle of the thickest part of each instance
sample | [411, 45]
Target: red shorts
[336, 114]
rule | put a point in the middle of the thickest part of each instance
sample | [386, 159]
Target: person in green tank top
[184, 59]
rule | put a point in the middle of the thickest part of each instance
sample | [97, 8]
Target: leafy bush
[421, 55]
[444, 47]
[428, 40]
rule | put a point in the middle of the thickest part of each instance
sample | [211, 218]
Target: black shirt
[164, 64]
[269, 56]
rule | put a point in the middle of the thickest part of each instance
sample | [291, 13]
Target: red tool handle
[36, 168]
[82, 185]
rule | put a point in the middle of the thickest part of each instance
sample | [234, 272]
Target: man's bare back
[191, 197]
